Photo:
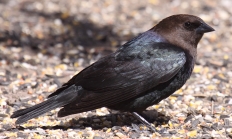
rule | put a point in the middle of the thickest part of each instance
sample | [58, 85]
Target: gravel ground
[44, 43]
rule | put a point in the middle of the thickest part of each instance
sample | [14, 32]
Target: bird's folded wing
[124, 75]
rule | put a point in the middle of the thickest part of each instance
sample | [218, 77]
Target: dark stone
[215, 126]
[224, 116]
[188, 118]
[195, 123]
[172, 131]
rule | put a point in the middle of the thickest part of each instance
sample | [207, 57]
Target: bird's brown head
[182, 30]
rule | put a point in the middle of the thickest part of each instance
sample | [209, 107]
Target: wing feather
[125, 74]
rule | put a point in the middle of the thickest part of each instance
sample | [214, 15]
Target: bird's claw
[144, 121]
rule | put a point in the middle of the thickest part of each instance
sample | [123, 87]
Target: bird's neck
[191, 59]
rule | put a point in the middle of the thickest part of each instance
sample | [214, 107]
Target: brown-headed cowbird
[141, 73]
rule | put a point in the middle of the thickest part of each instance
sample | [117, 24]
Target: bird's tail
[63, 98]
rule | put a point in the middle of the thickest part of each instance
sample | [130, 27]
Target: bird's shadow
[101, 122]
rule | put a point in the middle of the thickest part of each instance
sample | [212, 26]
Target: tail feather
[49, 105]
[61, 99]
[24, 111]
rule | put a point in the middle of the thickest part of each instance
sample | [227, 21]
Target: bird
[140, 73]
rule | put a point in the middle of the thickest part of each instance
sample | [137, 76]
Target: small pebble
[97, 137]
[195, 123]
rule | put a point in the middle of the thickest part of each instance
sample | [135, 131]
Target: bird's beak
[203, 28]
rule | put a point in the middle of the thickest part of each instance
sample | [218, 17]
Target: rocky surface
[44, 43]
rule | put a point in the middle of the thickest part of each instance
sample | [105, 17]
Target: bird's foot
[144, 121]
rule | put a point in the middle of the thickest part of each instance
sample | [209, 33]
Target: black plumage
[141, 73]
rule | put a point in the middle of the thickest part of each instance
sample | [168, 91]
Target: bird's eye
[191, 25]
[187, 24]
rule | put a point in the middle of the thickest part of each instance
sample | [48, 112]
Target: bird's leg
[144, 121]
